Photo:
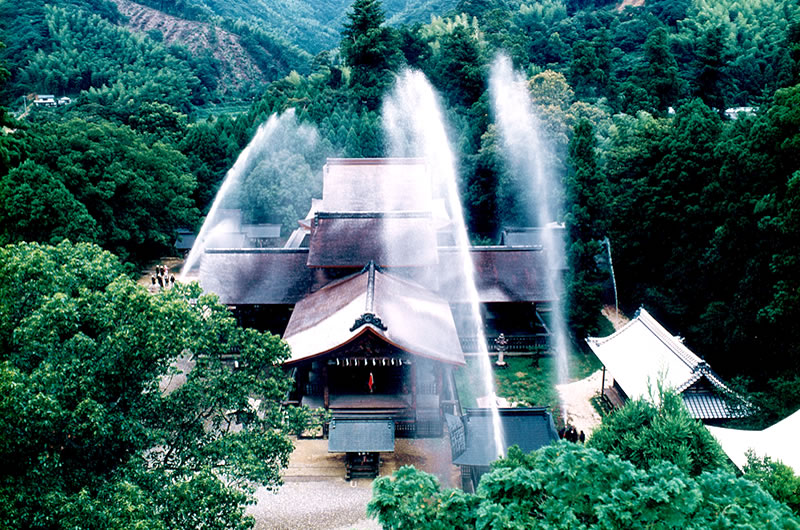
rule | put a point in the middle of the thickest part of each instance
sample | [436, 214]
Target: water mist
[414, 127]
[524, 151]
[278, 133]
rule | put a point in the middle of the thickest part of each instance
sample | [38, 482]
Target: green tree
[158, 121]
[35, 205]
[568, 485]
[776, 478]
[371, 50]
[647, 434]
[117, 410]
[128, 196]
[660, 76]
[712, 55]
[456, 69]
[586, 203]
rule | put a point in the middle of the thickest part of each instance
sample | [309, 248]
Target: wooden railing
[514, 343]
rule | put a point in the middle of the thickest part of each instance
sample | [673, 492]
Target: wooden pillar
[603, 384]
[325, 391]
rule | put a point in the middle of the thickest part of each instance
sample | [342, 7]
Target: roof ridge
[691, 359]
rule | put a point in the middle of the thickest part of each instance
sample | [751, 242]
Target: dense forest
[674, 126]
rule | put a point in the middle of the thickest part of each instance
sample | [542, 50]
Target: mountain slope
[313, 26]
[237, 66]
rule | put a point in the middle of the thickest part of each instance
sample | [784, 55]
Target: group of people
[570, 433]
[162, 278]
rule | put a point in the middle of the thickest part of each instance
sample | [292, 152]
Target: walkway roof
[779, 442]
[257, 276]
[502, 274]
[249, 276]
[528, 428]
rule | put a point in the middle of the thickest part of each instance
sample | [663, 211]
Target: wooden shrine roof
[282, 276]
[503, 274]
[257, 276]
[394, 239]
[397, 311]
[375, 185]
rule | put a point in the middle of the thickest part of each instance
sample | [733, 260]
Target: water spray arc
[414, 126]
[524, 151]
[270, 138]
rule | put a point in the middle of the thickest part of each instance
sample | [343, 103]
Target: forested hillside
[700, 205]
[314, 26]
[74, 46]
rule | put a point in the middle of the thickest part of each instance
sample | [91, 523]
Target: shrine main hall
[370, 293]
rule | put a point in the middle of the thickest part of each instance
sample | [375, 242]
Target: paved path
[576, 398]
[315, 495]
[577, 395]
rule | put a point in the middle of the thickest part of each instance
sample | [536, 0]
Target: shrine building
[370, 293]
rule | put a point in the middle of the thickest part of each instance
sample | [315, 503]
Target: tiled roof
[257, 276]
[643, 353]
[708, 405]
[399, 239]
[502, 275]
[529, 428]
[397, 311]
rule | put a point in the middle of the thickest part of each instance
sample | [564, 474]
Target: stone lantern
[501, 345]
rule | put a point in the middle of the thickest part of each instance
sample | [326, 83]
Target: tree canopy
[117, 409]
[647, 434]
[571, 486]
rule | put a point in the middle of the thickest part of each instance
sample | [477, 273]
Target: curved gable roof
[399, 312]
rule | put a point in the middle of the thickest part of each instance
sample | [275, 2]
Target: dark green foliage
[101, 183]
[669, 11]
[91, 435]
[89, 52]
[647, 434]
[659, 74]
[456, 68]
[570, 486]
[700, 210]
[587, 200]
[371, 50]
[776, 478]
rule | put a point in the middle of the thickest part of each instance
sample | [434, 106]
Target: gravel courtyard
[315, 495]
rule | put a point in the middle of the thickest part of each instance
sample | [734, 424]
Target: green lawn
[526, 383]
